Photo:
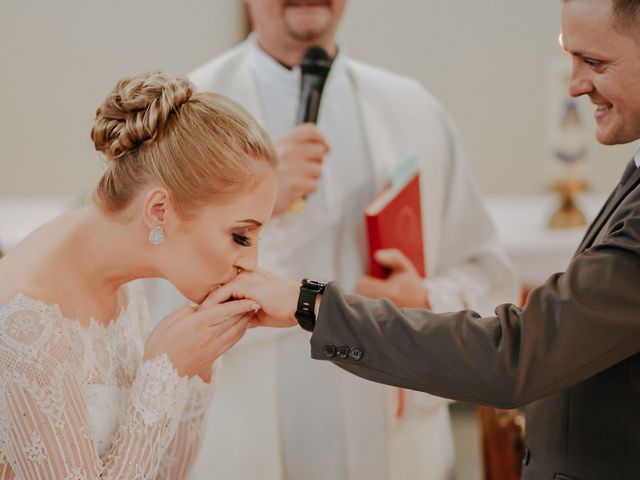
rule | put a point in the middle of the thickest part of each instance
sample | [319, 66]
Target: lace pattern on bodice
[49, 365]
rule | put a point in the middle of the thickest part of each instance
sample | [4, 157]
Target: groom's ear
[156, 207]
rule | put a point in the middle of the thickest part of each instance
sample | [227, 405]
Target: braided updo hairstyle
[199, 146]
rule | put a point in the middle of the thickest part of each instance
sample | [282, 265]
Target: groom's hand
[277, 297]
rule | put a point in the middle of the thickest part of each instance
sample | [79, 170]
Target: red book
[395, 221]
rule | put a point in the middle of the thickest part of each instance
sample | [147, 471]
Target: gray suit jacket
[572, 355]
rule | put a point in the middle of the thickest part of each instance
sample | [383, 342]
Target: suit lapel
[596, 221]
[614, 201]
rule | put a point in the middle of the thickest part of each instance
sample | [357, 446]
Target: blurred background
[490, 63]
[496, 66]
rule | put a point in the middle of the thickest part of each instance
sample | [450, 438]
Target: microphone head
[316, 61]
[314, 70]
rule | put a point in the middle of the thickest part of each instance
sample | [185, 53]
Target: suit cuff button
[343, 352]
[356, 353]
[330, 351]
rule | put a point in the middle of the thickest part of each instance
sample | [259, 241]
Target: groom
[572, 355]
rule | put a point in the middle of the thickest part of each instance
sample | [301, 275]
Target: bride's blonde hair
[199, 146]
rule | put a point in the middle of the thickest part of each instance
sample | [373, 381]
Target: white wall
[60, 58]
[486, 61]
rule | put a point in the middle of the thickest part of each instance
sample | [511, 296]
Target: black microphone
[314, 69]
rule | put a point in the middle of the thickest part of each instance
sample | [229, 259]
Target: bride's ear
[157, 208]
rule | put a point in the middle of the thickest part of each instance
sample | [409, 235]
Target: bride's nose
[247, 262]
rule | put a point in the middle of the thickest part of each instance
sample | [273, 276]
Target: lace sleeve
[5, 470]
[183, 450]
[44, 427]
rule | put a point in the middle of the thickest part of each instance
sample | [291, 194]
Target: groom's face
[606, 67]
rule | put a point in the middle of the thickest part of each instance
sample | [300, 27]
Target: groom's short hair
[625, 13]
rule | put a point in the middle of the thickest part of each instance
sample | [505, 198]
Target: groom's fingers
[220, 295]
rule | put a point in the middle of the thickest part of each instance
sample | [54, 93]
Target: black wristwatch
[305, 313]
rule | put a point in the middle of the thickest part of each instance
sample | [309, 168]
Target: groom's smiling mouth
[307, 3]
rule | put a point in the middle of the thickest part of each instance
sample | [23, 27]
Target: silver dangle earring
[156, 235]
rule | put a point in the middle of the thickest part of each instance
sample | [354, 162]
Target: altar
[19, 216]
[536, 250]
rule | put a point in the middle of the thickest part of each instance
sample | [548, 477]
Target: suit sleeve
[576, 325]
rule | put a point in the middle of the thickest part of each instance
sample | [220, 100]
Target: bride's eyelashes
[241, 239]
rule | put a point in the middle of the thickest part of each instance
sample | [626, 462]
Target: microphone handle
[309, 104]
[308, 108]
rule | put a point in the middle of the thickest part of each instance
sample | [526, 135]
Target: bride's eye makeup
[240, 235]
[241, 239]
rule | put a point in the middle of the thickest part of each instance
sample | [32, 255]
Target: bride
[86, 390]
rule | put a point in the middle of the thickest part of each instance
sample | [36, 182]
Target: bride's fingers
[233, 339]
[215, 331]
[176, 315]
[220, 321]
[220, 313]
[228, 337]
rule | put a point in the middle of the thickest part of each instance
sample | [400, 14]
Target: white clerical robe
[271, 394]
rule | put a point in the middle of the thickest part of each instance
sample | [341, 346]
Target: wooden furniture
[502, 443]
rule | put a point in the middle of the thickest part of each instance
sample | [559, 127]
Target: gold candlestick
[568, 215]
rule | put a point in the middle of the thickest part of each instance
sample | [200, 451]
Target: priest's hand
[300, 155]
[276, 298]
[404, 287]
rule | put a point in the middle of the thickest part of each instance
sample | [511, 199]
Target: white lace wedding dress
[79, 402]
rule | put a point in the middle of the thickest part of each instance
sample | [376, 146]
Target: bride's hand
[277, 296]
[194, 337]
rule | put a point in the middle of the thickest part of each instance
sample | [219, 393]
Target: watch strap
[305, 312]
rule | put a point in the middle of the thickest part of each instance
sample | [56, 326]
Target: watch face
[316, 285]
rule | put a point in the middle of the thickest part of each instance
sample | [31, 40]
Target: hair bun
[136, 111]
